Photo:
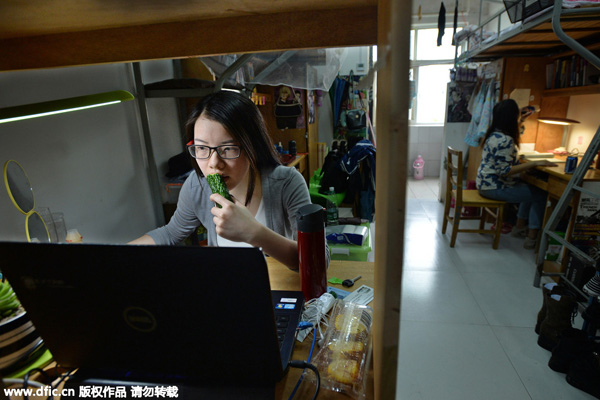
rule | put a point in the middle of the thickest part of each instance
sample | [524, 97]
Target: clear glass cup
[46, 215]
[59, 225]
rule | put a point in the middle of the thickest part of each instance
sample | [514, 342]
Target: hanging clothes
[340, 93]
[455, 23]
[359, 165]
[483, 108]
[488, 110]
[471, 106]
[471, 137]
[441, 24]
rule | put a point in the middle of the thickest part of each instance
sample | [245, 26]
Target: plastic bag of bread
[344, 357]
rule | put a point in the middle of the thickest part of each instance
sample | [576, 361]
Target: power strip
[325, 302]
[315, 312]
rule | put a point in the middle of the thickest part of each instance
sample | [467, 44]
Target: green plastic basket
[314, 185]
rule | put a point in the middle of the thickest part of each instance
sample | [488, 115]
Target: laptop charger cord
[302, 326]
[306, 365]
[315, 312]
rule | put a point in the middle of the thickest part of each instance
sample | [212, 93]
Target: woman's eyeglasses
[225, 151]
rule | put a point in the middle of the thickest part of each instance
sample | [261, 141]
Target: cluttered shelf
[572, 91]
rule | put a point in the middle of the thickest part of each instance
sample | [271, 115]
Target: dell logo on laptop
[139, 319]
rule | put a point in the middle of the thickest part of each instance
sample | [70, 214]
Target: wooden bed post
[393, 41]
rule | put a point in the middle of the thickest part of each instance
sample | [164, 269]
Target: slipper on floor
[506, 227]
[518, 232]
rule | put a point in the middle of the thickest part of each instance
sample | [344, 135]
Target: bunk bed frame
[38, 34]
[541, 35]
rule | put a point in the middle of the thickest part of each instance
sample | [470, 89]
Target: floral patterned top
[498, 157]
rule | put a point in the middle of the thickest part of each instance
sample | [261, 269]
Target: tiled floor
[468, 314]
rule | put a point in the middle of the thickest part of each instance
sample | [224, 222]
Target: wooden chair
[468, 198]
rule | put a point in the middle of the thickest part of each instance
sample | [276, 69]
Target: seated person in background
[230, 138]
[496, 176]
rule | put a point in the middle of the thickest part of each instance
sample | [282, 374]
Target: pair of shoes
[529, 243]
[591, 315]
[560, 312]
[547, 290]
[593, 286]
[584, 373]
[572, 344]
[518, 232]
[506, 228]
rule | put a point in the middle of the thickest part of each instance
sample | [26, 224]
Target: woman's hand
[545, 163]
[522, 167]
[234, 221]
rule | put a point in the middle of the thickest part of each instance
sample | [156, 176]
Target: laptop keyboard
[282, 323]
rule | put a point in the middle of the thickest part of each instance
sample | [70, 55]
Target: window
[430, 69]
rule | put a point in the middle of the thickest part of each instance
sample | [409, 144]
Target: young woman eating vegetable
[227, 136]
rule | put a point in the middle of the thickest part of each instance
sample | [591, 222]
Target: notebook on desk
[202, 315]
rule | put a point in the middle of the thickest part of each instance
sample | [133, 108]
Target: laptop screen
[187, 312]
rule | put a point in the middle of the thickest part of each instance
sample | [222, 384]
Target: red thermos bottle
[310, 221]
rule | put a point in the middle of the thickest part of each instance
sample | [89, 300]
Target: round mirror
[36, 229]
[18, 186]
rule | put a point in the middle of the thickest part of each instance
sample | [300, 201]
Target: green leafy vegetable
[217, 185]
[8, 300]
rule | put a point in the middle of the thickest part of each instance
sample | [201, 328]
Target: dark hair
[506, 120]
[243, 120]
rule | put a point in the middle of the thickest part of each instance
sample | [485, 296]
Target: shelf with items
[261, 99]
[572, 72]
[298, 161]
[572, 91]
[579, 202]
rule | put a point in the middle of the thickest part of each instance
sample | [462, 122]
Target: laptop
[203, 316]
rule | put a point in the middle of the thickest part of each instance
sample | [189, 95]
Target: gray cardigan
[284, 191]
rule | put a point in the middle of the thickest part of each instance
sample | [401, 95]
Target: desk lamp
[566, 123]
[35, 110]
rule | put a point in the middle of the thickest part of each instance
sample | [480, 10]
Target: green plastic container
[351, 252]
[314, 185]
[554, 247]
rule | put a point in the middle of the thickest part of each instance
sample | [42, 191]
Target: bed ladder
[577, 47]
[575, 184]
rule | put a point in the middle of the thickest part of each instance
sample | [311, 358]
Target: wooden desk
[554, 181]
[557, 180]
[284, 279]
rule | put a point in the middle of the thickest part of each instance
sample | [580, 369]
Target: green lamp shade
[35, 110]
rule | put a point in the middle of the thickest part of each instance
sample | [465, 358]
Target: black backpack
[332, 174]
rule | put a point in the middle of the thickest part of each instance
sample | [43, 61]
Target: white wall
[87, 164]
[426, 141]
[325, 120]
[583, 108]
[356, 57]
